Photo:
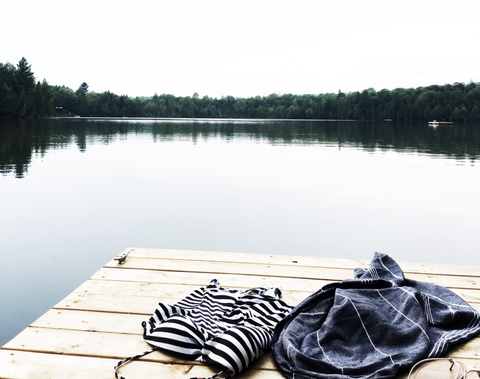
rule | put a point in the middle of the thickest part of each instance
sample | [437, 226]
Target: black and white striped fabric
[231, 328]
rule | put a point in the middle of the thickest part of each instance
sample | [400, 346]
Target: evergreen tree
[83, 89]
[25, 89]
[8, 85]
[82, 106]
[25, 77]
[43, 99]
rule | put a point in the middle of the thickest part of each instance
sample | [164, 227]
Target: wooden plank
[255, 269]
[235, 281]
[136, 304]
[119, 346]
[167, 293]
[98, 345]
[91, 321]
[171, 293]
[116, 346]
[109, 303]
[469, 295]
[299, 272]
[309, 261]
[133, 304]
[107, 324]
[81, 343]
[131, 324]
[145, 289]
[229, 257]
[202, 279]
[26, 365]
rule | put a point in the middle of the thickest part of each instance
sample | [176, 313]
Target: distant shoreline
[200, 119]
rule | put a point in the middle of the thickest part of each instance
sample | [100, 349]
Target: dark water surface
[74, 193]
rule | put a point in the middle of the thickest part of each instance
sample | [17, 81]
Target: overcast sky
[243, 48]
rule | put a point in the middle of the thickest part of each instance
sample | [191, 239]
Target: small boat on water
[437, 123]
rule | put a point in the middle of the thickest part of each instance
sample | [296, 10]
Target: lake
[74, 193]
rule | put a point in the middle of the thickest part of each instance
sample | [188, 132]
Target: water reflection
[20, 139]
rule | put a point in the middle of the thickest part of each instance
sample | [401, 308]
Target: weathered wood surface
[99, 323]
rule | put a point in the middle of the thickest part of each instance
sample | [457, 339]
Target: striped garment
[216, 325]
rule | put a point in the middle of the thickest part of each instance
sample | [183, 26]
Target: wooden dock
[98, 324]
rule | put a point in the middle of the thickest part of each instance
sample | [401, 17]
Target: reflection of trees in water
[16, 147]
[20, 139]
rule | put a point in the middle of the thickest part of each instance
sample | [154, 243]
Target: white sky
[243, 48]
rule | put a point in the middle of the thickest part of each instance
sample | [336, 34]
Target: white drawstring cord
[459, 366]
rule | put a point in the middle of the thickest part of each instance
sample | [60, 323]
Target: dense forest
[22, 97]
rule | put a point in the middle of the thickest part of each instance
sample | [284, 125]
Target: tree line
[22, 97]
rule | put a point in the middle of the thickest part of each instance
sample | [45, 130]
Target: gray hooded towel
[372, 327]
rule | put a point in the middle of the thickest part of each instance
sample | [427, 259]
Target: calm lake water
[75, 193]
